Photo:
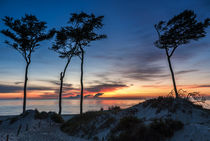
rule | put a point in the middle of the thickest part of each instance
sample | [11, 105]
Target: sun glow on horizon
[132, 91]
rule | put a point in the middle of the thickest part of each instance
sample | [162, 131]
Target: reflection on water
[70, 106]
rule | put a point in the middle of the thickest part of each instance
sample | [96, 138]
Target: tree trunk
[172, 73]
[60, 93]
[25, 86]
[81, 81]
[62, 75]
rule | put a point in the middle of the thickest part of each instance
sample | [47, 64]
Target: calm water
[14, 107]
[70, 106]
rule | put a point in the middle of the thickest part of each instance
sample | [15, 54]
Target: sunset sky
[126, 64]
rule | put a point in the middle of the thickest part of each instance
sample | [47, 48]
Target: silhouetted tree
[25, 33]
[179, 30]
[83, 31]
[66, 49]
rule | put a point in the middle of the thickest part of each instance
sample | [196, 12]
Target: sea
[69, 106]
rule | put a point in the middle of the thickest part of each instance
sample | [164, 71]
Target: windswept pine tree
[26, 33]
[66, 49]
[83, 32]
[179, 30]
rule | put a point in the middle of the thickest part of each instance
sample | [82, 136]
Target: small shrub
[122, 131]
[160, 102]
[95, 138]
[167, 127]
[114, 109]
[126, 123]
[171, 104]
[56, 118]
[42, 115]
[107, 123]
[131, 128]
[86, 124]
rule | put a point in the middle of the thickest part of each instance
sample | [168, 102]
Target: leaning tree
[66, 50]
[179, 30]
[26, 33]
[83, 32]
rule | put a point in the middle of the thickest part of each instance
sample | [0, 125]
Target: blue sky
[126, 58]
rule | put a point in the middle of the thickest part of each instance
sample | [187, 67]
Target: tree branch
[80, 57]
[157, 31]
[64, 71]
[173, 51]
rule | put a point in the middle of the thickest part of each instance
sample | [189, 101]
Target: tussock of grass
[114, 109]
[107, 123]
[52, 115]
[170, 103]
[56, 117]
[81, 123]
[126, 123]
[166, 127]
[95, 138]
[132, 128]
[40, 115]
[88, 125]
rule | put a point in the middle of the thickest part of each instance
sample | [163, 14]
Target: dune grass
[132, 128]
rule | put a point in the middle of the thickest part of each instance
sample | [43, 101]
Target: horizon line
[98, 98]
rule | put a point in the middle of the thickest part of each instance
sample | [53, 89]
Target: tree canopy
[26, 34]
[181, 29]
[83, 26]
[64, 45]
